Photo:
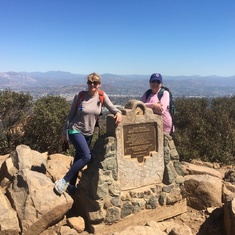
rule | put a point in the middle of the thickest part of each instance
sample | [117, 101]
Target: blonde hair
[94, 77]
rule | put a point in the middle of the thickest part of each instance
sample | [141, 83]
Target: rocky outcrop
[207, 186]
[58, 165]
[9, 223]
[203, 191]
[203, 186]
[229, 201]
[29, 205]
[36, 204]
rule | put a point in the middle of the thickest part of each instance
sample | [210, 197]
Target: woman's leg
[82, 156]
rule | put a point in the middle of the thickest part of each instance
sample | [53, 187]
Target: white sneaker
[60, 185]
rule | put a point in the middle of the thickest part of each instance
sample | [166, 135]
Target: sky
[183, 37]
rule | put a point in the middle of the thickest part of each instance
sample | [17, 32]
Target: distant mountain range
[59, 82]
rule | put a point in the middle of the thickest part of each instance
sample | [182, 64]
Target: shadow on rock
[214, 224]
[79, 208]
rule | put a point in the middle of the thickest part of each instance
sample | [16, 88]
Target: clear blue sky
[173, 37]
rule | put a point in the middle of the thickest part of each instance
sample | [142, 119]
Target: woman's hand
[118, 118]
[157, 107]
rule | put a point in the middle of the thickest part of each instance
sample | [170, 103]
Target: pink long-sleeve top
[165, 101]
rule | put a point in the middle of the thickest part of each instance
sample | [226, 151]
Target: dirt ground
[206, 222]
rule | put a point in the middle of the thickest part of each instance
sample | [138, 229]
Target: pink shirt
[165, 101]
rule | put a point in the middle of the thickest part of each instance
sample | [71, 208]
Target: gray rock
[203, 191]
[36, 203]
[9, 223]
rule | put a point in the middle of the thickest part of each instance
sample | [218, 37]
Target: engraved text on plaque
[139, 140]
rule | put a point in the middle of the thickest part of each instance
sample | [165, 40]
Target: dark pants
[81, 158]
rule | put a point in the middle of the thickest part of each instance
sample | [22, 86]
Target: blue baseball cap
[156, 77]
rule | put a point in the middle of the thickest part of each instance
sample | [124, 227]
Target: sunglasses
[156, 81]
[90, 83]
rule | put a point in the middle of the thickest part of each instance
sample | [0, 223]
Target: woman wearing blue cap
[159, 101]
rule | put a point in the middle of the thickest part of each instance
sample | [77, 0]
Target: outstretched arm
[118, 118]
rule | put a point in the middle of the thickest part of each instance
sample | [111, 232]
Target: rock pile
[29, 205]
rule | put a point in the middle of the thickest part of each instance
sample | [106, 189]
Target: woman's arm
[165, 101]
[112, 109]
[72, 112]
[152, 102]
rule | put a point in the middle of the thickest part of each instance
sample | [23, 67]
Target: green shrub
[44, 127]
[205, 129]
[14, 110]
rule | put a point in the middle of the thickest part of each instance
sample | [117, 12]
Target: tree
[14, 109]
[44, 127]
[205, 129]
[221, 131]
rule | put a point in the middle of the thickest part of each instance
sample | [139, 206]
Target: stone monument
[135, 168]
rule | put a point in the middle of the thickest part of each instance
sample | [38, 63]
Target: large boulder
[3, 158]
[58, 165]
[203, 191]
[8, 218]
[229, 214]
[193, 169]
[22, 158]
[203, 186]
[36, 203]
[229, 201]
[28, 197]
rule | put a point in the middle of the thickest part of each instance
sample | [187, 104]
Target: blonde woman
[80, 124]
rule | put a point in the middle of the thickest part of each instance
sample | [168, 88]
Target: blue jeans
[81, 158]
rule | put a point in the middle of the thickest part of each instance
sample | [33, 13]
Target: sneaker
[60, 185]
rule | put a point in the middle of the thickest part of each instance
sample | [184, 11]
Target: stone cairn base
[105, 201]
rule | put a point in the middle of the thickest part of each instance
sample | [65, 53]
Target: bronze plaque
[139, 140]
